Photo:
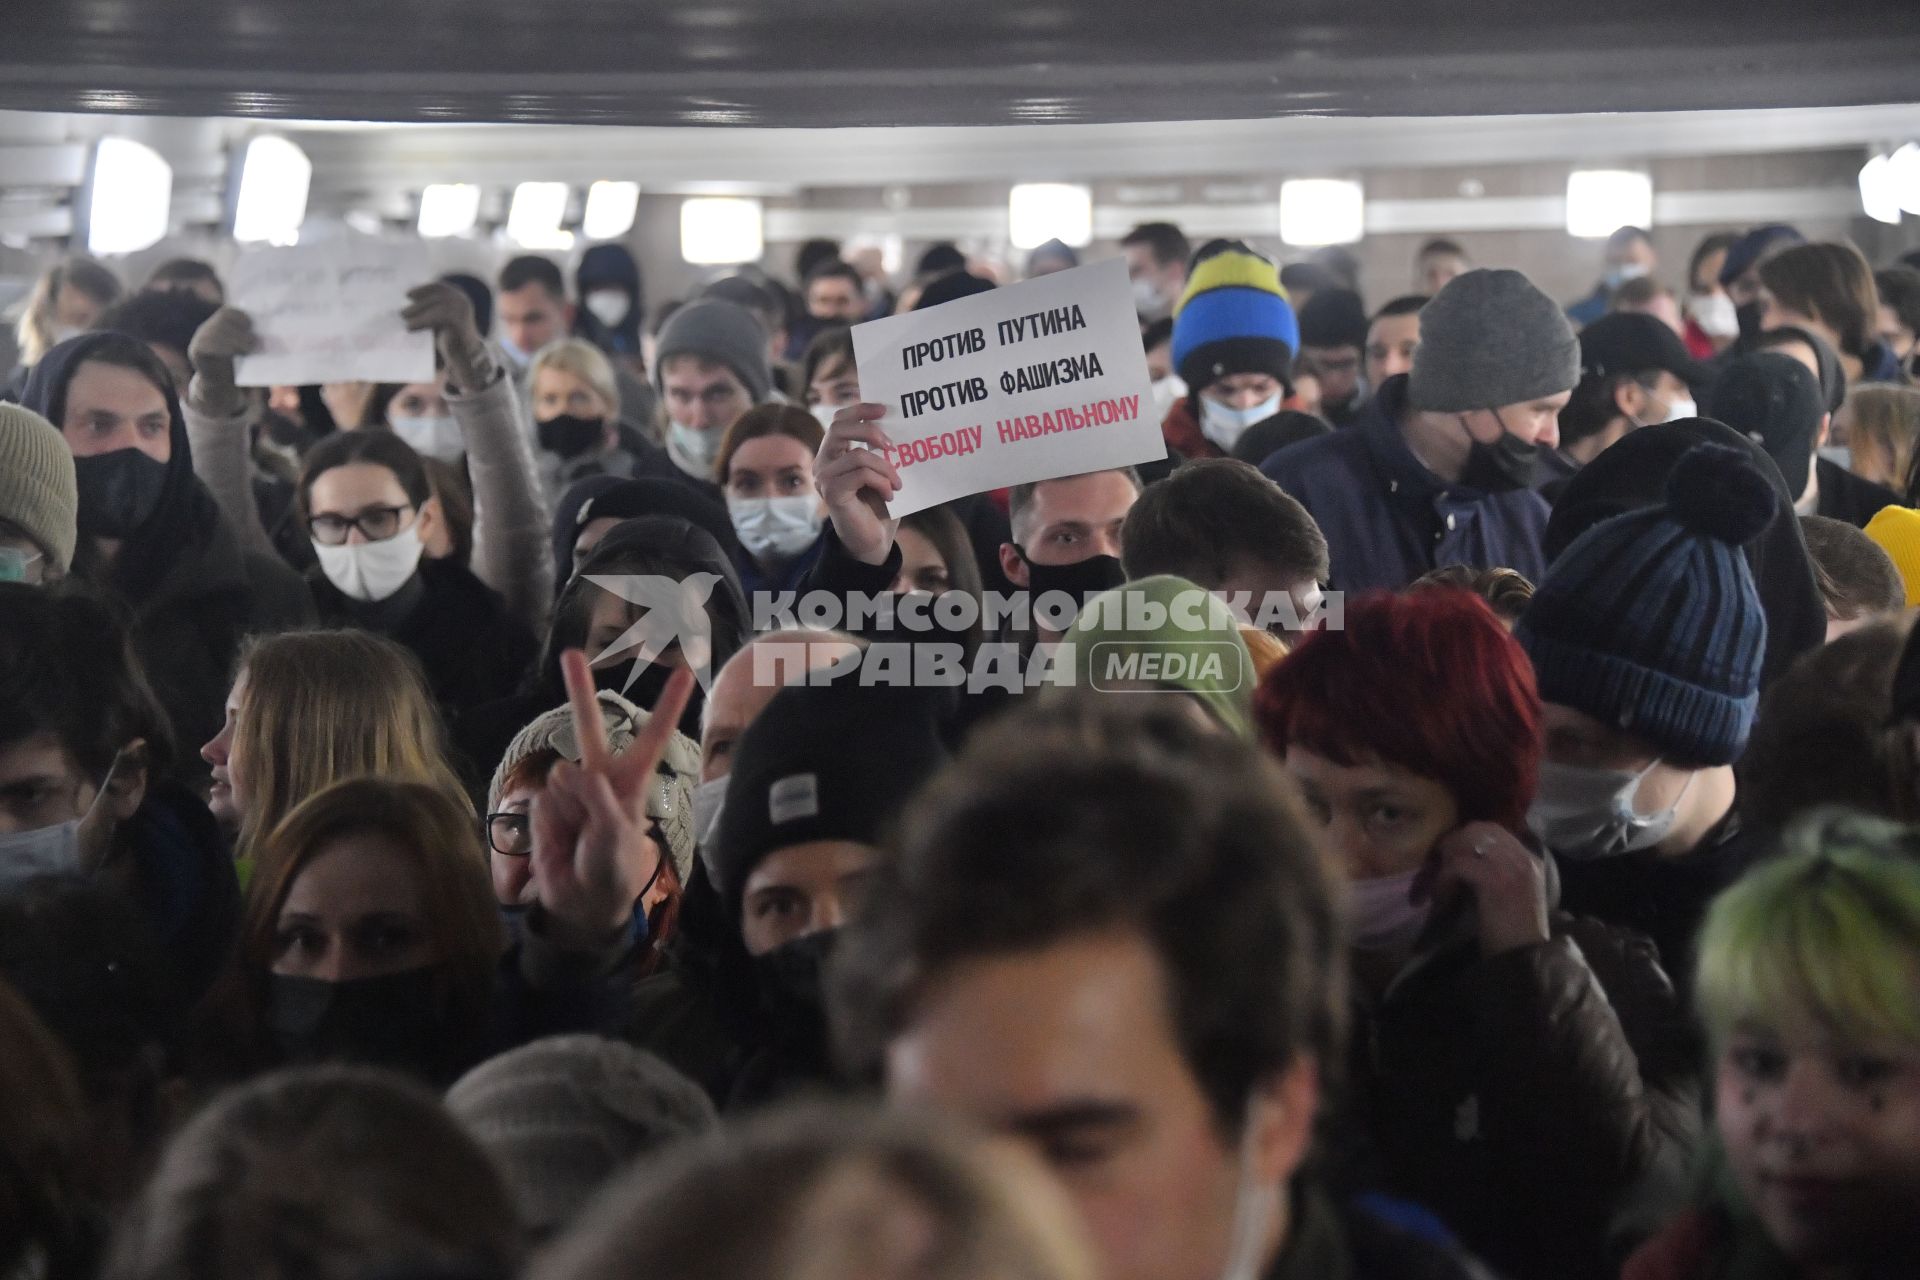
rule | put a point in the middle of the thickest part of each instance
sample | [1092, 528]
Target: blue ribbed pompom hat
[1650, 622]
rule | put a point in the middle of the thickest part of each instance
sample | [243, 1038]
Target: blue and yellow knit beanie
[1233, 318]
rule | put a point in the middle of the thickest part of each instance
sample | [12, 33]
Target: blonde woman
[1881, 425]
[66, 301]
[312, 708]
[576, 414]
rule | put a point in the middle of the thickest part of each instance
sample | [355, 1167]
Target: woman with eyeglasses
[364, 498]
[521, 777]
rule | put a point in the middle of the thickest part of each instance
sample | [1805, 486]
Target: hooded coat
[193, 591]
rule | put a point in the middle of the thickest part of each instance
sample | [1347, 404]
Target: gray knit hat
[721, 333]
[562, 1116]
[1489, 338]
[671, 801]
[37, 488]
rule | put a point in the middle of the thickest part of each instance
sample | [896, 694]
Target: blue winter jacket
[1388, 519]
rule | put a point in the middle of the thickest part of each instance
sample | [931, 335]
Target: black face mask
[792, 982]
[1501, 467]
[646, 689]
[1748, 315]
[569, 436]
[1081, 579]
[119, 491]
[395, 1020]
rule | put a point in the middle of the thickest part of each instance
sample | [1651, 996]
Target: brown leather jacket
[1522, 1097]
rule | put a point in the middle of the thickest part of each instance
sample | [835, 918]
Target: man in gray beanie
[38, 498]
[711, 367]
[1438, 468]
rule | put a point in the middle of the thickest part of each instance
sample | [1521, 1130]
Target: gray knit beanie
[1489, 338]
[562, 1116]
[720, 333]
[37, 488]
[670, 802]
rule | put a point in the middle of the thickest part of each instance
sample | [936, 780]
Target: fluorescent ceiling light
[449, 209]
[720, 231]
[1879, 199]
[130, 196]
[1601, 201]
[611, 207]
[274, 177]
[533, 220]
[1316, 211]
[1903, 166]
[1041, 211]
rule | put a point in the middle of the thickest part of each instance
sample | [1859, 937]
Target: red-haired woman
[1517, 1071]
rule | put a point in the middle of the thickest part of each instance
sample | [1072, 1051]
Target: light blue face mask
[698, 448]
[14, 563]
[49, 851]
[1839, 455]
[1224, 426]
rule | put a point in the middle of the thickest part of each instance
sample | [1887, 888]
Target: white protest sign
[330, 312]
[1037, 380]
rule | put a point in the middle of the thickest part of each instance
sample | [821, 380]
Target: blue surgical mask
[14, 563]
[1224, 426]
[1621, 272]
[49, 851]
[694, 450]
[1839, 455]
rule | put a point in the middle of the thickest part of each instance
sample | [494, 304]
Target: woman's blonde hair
[822, 1192]
[1890, 417]
[36, 327]
[323, 706]
[584, 361]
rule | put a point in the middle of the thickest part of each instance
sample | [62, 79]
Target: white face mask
[693, 451]
[824, 414]
[1147, 300]
[608, 306]
[372, 570]
[1584, 813]
[1684, 407]
[708, 798]
[1715, 314]
[1225, 426]
[1255, 1207]
[431, 437]
[49, 851]
[1383, 916]
[776, 528]
[1167, 392]
[66, 333]
[513, 353]
[1839, 455]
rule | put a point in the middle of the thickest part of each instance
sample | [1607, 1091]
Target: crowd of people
[1514, 875]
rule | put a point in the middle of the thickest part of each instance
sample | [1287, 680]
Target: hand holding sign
[857, 482]
[1041, 379]
[593, 856]
[330, 312]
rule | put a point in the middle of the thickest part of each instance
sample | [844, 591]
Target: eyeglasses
[376, 524]
[510, 834]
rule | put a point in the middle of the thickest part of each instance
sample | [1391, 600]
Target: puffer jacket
[1522, 1097]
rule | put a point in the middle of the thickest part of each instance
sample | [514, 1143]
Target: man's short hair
[836, 270]
[1407, 304]
[812, 253]
[1213, 515]
[1624, 236]
[1334, 318]
[1435, 247]
[1167, 243]
[167, 318]
[1899, 289]
[1020, 497]
[1638, 293]
[1856, 577]
[185, 271]
[1107, 815]
[533, 269]
[1308, 276]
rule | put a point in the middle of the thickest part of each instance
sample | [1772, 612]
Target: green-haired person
[1809, 985]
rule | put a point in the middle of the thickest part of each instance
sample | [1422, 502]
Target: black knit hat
[1774, 401]
[822, 762]
[1334, 318]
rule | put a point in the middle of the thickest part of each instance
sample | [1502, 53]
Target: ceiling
[836, 63]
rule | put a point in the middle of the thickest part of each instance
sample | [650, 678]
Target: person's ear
[1826, 427]
[1014, 565]
[1630, 400]
[127, 788]
[1280, 1121]
[430, 519]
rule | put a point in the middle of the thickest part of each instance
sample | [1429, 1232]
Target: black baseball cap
[1633, 343]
